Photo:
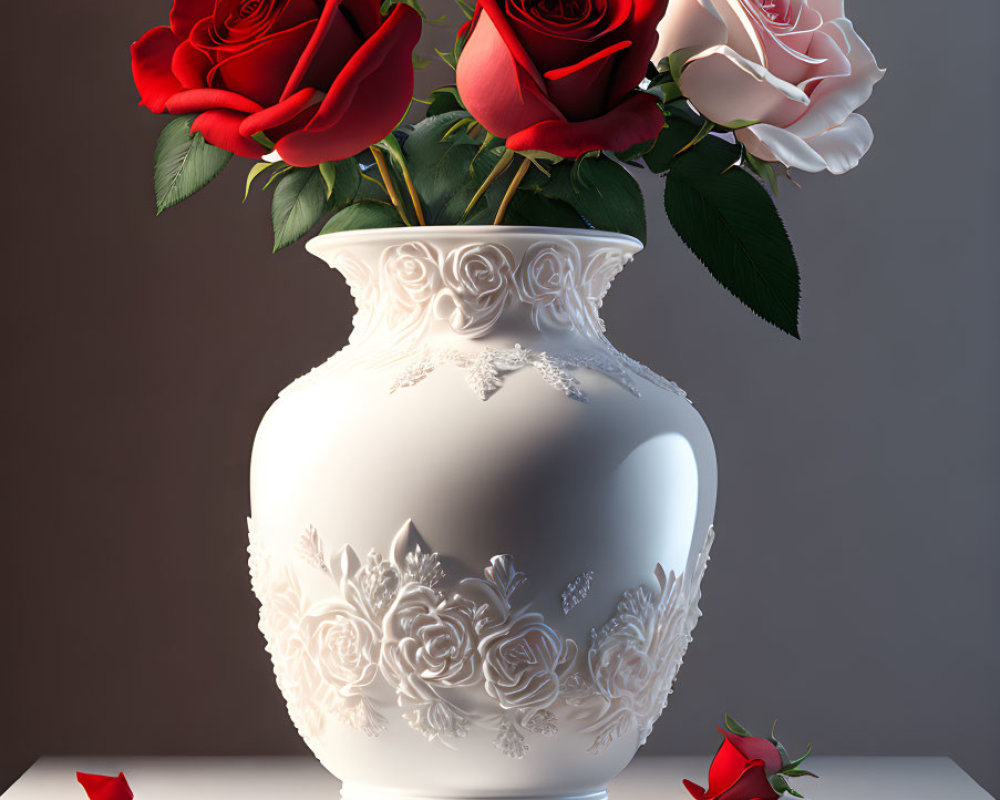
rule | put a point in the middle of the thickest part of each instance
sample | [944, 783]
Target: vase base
[356, 791]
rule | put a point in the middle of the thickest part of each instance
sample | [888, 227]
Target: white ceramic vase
[478, 531]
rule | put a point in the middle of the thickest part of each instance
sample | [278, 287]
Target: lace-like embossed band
[388, 623]
[423, 305]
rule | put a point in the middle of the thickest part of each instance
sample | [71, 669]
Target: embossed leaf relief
[577, 590]
[467, 289]
[388, 629]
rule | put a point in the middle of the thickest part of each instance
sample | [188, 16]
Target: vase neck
[476, 281]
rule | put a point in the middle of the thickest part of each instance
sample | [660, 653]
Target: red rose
[323, 79]
[561, 75]
[740, 770]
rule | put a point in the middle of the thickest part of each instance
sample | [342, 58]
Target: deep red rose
[323, 79]
[561, 75]
[740, 770]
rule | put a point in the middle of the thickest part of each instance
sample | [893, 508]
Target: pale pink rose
[794, 67]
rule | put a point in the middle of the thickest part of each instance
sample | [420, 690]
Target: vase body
[478, 531]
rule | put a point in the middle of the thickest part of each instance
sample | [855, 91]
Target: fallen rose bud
[748, 768]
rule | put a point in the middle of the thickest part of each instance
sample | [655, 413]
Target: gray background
[853, 591]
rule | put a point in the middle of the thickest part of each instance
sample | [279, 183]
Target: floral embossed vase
[478, 531]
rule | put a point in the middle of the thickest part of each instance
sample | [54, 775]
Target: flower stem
[515, 182]
[500, 166]
[414, 197]
[390, 187]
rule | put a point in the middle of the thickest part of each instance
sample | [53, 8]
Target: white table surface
[647, 778]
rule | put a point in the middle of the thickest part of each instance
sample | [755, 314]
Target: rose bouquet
[555, 103]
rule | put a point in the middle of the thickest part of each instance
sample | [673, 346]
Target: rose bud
[740, 770]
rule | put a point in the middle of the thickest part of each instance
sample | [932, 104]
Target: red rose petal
[222, 128]
[751, 785]
[105, 787]
[494, 85]
[501, 22]
[635, 61]
[580, 90]
[261, 71]
[276, 116]
[366, 14]
[195, 100]
[331, 46]
[695, 790]
[551, 42]
[151, 57]
[190, 66]
[186, 13]
[727, 766]
[754, 747]
[637, 119]
[366, 101]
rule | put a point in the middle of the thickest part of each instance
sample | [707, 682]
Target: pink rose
[796, 68]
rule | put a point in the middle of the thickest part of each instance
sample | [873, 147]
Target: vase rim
[494, 232]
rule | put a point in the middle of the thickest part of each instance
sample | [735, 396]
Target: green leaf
[277, 175]
[255, 170]
[444, 100]
[420, 62]
[451, 59]
[262, 139]
[668, 92]
[730, 223]
[443, 170]
[706, 128]
[346, 184]
[602, 192]
[636, 150]
[328, 171]
[736, 124]
[530, 208]
[676, 135]
[298, 203]
[678, 59]
[735, 727]
[798, 773]
[183, 163]
[800, 759]
[367, 214]
[763, 169]
[391, 145]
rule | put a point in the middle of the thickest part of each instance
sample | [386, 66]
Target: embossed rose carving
[601, 269]
[411, 278]
[281, 620]
[344, 647]
[391, 626]
[430, 640]
[524, 662]
[620, 663]
[548, 282]
[479, 278]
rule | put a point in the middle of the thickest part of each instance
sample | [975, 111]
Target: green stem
[414, 197]
[390, 187]
[501, 165]
[515, 182]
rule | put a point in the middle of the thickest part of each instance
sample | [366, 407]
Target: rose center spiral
[778, 11]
